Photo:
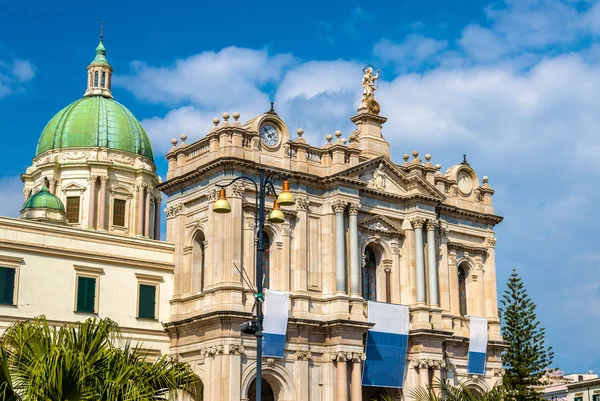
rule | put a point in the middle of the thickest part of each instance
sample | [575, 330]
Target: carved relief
[377, 226]
[213, 194]
[490, 241]
[235, 349]
[75, 155]
[174, 210]
[286, 231]
[238, 189]
[121, 159]
[302, 203]
[212, 350]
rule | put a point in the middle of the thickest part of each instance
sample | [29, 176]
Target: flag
[275, 323]
[477, 346]
[386, 345]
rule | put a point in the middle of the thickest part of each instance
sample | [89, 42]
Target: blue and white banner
[477, 346]
[275, 323]
[386, 345]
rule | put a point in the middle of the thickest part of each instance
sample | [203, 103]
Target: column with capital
[356, 383]
[139, 226]
[432, 264]
[354, 252]
[102, 210]
[147, 212]
[342, 377]
[92, 209]
[340, 246]
[417, 224]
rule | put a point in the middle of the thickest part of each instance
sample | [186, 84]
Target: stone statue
[378, 181]
[368, 84]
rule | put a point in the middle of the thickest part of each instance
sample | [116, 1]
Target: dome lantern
[99, 80]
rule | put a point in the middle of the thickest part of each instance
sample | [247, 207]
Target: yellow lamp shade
[222, 204]
[276, 216]
[286, 198]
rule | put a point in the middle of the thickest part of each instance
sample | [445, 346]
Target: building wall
[48, 258]
[407, 213]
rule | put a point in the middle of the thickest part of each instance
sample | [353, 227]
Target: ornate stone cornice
[417, 222]
[303, 355]
[468, 248]
[338, 206]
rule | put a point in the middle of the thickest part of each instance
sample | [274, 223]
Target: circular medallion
[269, 135]
[465, 183]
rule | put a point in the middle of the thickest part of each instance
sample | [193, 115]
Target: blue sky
[513, 84]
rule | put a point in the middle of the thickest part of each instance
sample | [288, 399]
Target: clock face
[464, 182]
[269, 135]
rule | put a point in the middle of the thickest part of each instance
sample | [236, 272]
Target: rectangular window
[7, 285]
[86, 294]
[578, 399]
[596, 397]
[119, 213]
[147, 302]
[73, 209]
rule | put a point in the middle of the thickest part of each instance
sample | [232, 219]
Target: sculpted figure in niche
[368, 84]
[378, 180]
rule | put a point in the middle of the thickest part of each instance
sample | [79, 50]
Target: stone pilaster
[92, 208]
[157, 218]
[302, 375]
[340, 246]
[432, 264]
[102, 215]
[139, 226]
[353, 209]
[417, 224]
[147, 212]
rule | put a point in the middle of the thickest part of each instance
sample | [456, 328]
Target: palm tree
[442, 391]
[84, 361]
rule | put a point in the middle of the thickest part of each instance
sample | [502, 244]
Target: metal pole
[259, 283]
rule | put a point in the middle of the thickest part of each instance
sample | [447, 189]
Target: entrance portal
[267, 391]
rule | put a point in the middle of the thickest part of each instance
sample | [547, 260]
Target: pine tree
[527, 357]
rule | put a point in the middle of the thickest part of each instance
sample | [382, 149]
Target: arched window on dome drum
[103, 79]
[462, 291]
[369, 275]
[96, 79]
[266, 259]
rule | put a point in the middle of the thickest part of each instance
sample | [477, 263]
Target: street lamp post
[264, 187]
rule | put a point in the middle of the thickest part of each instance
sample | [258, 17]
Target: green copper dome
[43, 199]
[96, 121]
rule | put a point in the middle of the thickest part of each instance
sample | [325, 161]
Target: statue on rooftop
[369, 88]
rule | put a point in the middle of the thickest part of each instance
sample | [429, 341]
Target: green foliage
[441, 391]
[84, 361]
[527, 357]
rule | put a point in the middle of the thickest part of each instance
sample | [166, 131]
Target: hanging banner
[275, 323]
[477, 346]
[386, 345]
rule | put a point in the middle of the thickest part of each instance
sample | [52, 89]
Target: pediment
[73, 187]
[380, 224]
[384, 176]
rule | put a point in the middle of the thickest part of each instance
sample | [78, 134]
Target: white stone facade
[424, 228]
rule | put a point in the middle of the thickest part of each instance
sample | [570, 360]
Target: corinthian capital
[353, 208]
[417, 222]
[338, 206]
[430, 225]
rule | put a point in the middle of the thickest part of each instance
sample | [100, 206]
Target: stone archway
[278, 378]
[267, 391]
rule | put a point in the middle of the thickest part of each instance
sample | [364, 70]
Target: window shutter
[147, 301]
[86, 294]
[7, 285]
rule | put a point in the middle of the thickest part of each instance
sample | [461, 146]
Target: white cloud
[412, 52]
[13, 74]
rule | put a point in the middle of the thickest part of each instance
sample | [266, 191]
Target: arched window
[462, 291]
[103, 79]
[369, 270]
[198, 255]
[266, 259]
[96, 79]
